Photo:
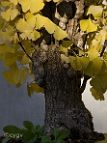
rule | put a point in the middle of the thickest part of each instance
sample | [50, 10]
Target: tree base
[64, 108]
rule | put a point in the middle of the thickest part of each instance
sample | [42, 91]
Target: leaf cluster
[21, 23]
[91, 59]
[34, 134]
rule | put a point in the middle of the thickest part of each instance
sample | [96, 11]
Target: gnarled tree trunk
[62, 85]
[63, 102]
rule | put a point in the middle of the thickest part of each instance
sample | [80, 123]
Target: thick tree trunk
[63, 100]
[64, 107]
[63, 103]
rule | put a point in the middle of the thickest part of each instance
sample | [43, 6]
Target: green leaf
[79, 63]
[100, 82]
[46, 139]
[66, 43]
[28, 125]
[75, 63]
[98, 95]
[87, 25]
[94, 67]
[28, 136]
[12, 129]
[60, 135]
[84, 61]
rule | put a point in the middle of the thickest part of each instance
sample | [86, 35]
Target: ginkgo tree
[60, 44]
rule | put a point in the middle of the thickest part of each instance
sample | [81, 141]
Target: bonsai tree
[63, 45]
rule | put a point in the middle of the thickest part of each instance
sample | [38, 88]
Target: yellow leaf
[15, 2]
[96, 11]
[28, 47]
[93, 53]
[33, 5]
[88, 26]
[23, 26]
[52, 28]
[8, 61]
[6, 49]
[33, 87]
[56, 0]
[36, 5]
[45, 22]
[34, 35]
[7, 36]
[59, 34]
[16, 76]
[48, 0]
[30, 35]
[25, 60]
[63, 49]
[10, 14]
[53, 1]
[96, 44]
[5, 3]
[25, 5]
[28, 29]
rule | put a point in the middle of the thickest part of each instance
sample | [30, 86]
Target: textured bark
[63, 100]
[64, 107]
[63, 103]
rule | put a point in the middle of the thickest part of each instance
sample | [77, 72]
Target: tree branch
[24, 50]
[83, 86]
[104, 47]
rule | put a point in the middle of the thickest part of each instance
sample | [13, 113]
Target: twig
[83, 86]
[85, 41]
[25, 51]
[104, 47]
[23, 48]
